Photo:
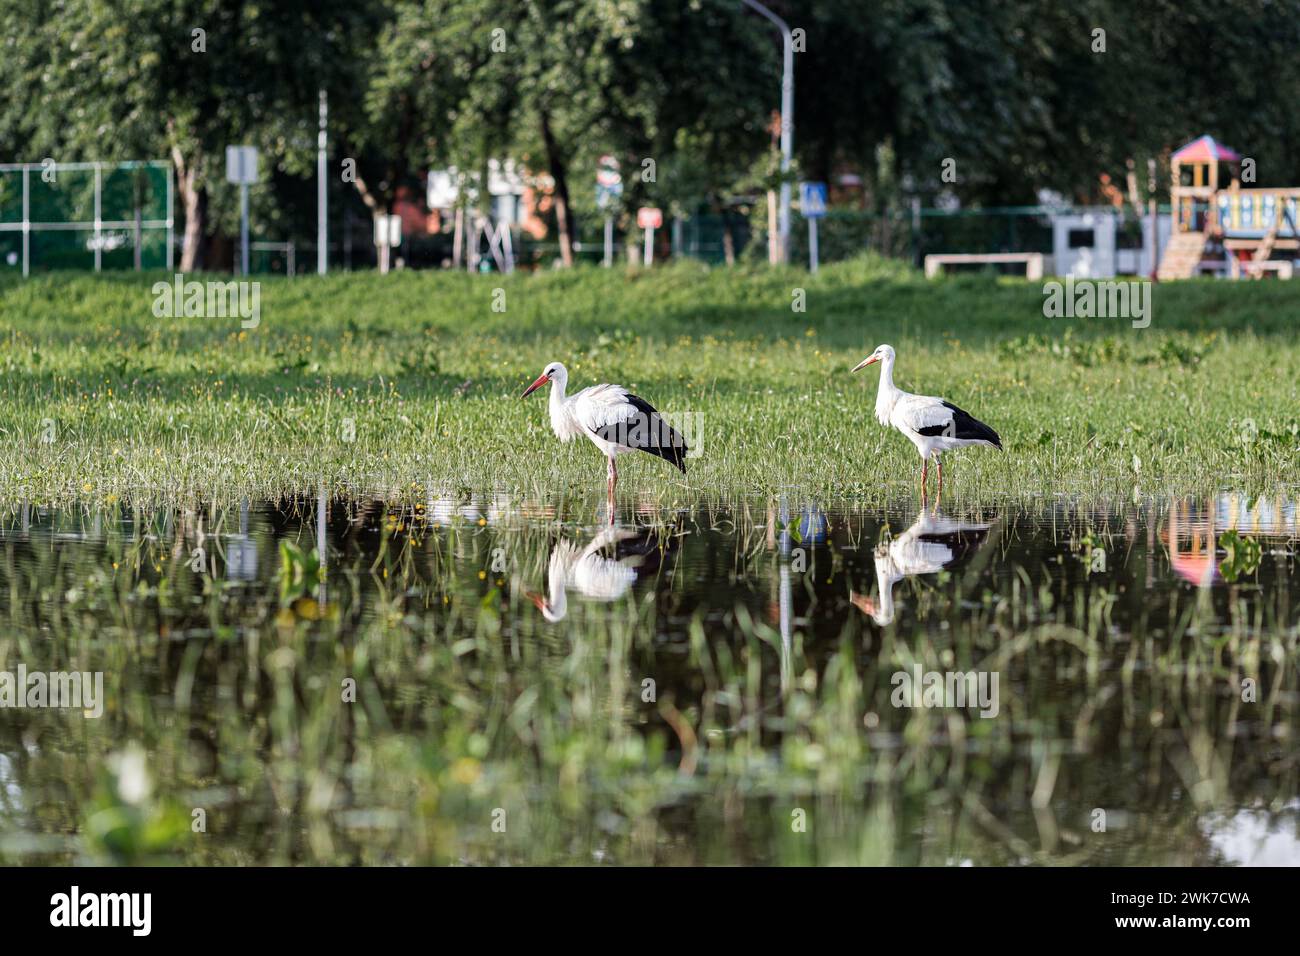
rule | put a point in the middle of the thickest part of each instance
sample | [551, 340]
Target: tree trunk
[193, 254]
[373, 202]
[195, 199]
[728, 240]
[556, 163]
[378, 206]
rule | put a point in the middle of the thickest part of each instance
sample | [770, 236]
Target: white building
[1085, 244]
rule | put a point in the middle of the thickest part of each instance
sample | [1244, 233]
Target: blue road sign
[812, 200]
[607, 195]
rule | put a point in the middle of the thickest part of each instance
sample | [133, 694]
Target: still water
[469, 678]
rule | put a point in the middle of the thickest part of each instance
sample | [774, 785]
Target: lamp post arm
[787, 119]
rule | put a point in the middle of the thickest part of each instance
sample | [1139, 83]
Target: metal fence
[843, 233]
[907, 234]
[276, 257]
[86, 216]
[120, 216]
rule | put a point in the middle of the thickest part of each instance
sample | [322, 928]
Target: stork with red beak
[616, 421]
[932, 424]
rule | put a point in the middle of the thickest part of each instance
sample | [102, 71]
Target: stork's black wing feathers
[963, 425]
[647, 431]
[962, 544]
[651, 547]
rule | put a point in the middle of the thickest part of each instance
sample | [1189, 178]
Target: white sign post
[388, 233]
[609, 187]
[241, 169]
[649, 218]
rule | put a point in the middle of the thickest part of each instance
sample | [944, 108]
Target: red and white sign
[648, 217]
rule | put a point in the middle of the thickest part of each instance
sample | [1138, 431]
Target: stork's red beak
[863, 603]
[865, 362]
[541, 380]
[537, 600]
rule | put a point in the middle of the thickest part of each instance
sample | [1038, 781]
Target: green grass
[103, 401]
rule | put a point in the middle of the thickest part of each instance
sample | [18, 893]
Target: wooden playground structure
[1218, 226]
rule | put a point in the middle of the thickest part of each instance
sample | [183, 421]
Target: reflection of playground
[602, 571]
[1192, 530]
[933, 542]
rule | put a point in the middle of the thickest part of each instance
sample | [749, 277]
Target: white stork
[616, 421]
[932, 543]
[933, 425]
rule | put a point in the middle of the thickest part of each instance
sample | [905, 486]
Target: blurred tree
[91, 80]
[409, 94]
[1026, 94]
[698, 89]
[566, 81]
[1019, 94]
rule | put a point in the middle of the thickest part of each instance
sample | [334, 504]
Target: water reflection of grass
[374, 382]
[468, 705]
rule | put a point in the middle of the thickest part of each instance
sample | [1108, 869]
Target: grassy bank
[384, 383]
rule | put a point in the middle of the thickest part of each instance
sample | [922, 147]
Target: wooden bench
[1033, 261]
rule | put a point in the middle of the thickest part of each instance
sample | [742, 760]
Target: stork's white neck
[559, 417]
[556, 605]
[559, 381]
[885, 586]
[887, 392]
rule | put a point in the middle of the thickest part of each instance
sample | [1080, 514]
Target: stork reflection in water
[932, 543]
[603, 571]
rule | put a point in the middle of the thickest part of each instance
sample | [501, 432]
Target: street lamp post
[322, 194]
[787, 123]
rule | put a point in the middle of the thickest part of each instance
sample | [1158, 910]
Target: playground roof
[1205, 149]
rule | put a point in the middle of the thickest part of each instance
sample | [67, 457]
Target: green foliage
[1014, 92]
[88, 80]
[1243, 555]
[126, 823]
[300, 572]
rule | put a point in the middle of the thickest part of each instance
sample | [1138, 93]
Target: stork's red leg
[925, 473]
[938, 463]
[613, 481]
